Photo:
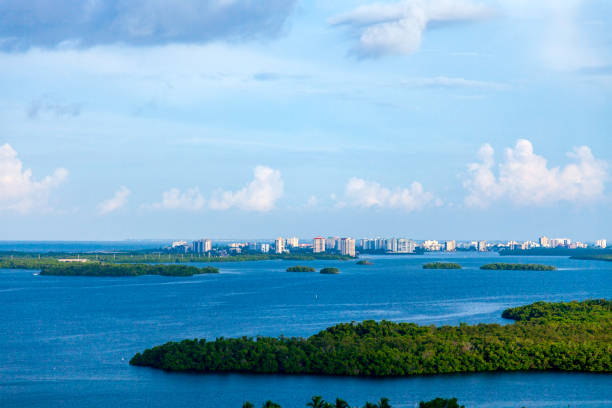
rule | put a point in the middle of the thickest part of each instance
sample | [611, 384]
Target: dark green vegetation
[330, 271]
[300, 268]
[441, 265]
[156, 257]
[103, 269]
[318, 402]
[600, 257]
[574, 336]
[518, 267]
[555, 252]
[364, 262]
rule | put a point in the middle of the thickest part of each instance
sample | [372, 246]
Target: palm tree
[370, 405]
[317, 402]
[340, 403]
[270, 404]
[248, 405]
[384, 403]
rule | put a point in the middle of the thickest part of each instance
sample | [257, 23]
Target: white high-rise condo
[347, 246]
[279, 245]
[318, 245]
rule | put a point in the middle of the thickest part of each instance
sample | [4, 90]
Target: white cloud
[526, 179]
[368, 194]
[453, 83]
[260, 194]
[397, 28]
[117, 201]
[18, 192]
[175, 199]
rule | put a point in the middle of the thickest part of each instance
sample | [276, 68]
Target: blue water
[66, 341]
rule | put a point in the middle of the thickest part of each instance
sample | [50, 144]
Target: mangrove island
[571, 336]
[441, 265]
[517, 267]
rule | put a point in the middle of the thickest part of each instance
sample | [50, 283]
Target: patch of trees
[104, 269]
[300, 268]
[318, 402]
[441, 265]
[330, 271]
[574, 336]
[517, 267]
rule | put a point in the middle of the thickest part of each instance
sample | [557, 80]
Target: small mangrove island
[566, 336]
[300, 268]
[330, 271]
[441, 265]
[105, 269]
[517, 267]
[365, 262]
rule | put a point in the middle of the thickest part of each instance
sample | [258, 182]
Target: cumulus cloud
[139, 22]
[117, 201]
[525, 178]
[368, 194]
[397, 28]
[175, 199]
[261, 194]
[18, 191]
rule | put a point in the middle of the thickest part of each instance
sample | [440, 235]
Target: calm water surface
[66, 341]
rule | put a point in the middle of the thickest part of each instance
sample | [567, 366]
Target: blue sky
[236, 119]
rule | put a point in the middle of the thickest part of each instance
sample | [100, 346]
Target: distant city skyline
[450, 119]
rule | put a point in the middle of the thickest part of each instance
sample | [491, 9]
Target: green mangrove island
[104, 269]
[441, 265]
[571, 336]
[330, 271]
[318, 402]
[300, 268]
[601, 257]
[517, 267]
[365, 262]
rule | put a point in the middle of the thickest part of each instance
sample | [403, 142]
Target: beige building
[279, 245]
[451, 246]
[347, 246]
[318, 245]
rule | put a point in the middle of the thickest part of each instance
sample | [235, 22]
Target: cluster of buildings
[349, 246]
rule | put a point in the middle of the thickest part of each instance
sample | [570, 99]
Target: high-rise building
[391, 245]
[560, 242]
[279, 245]
[318, 245]
[201, 246]
[544, 242]
[347, 246]
[264, 248]
[451, 246]
[405, 246]
[293, 242]
[601, 243]
[482, 246]
[431, 245]
[331, 243]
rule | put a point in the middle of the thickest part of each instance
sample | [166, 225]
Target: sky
[439, 119]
